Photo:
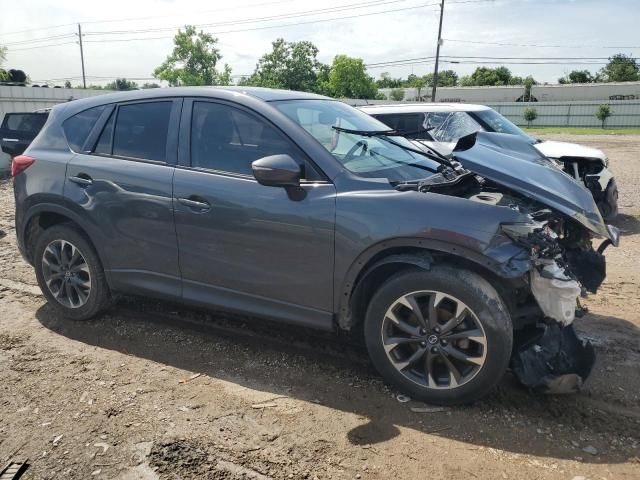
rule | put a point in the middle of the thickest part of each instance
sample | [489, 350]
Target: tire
[609, 205]
[62, 242]
[478, 348]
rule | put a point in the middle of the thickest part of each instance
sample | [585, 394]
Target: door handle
[10, 140]
[83, 181]
[196, 204]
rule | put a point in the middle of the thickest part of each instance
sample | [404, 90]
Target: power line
[40, 46]
[258, 19]
[41, 39]
[534, 45]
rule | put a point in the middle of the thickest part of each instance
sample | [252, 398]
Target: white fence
[29, 99]
[624, 113]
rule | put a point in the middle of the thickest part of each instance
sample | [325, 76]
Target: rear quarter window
[78, 127]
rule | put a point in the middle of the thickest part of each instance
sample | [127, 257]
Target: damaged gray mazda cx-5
[299, 208]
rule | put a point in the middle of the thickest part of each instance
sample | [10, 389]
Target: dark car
[18, 129]
[299, 208]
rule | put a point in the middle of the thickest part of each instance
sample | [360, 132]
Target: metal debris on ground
[428, 409]
[403, 398]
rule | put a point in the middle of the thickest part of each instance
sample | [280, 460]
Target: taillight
[20, 163]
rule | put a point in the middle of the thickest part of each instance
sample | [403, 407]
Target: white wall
[29, 99]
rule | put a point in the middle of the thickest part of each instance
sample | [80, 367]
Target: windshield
[494, 122]
[363, 155]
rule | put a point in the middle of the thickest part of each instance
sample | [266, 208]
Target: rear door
[19, 129]
[121, 179]
[245, 246]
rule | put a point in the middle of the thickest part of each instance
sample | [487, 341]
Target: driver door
[245, 246]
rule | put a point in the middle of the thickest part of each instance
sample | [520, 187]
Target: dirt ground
[156, 390]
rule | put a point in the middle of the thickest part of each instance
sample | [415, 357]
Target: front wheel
[442, 336]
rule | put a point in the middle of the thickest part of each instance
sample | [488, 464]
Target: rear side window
[78, 127]
[24, 122]
[141, 130]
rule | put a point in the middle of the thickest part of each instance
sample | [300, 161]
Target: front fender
[503, 258]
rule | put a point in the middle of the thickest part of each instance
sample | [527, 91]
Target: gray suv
[299, 208]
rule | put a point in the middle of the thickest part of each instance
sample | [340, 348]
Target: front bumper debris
[555, 292]
[553, 360]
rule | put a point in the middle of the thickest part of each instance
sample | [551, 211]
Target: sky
[41, 35]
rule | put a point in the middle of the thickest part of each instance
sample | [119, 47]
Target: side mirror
[277, 171]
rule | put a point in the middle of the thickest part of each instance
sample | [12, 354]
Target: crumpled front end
[550, 357]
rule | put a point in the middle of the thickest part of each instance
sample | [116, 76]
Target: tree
[446, 78]
[193, 60]
[489, 76]
[150, 85]
[621, 68]
[397, 94]
[289, 65]
[4, 75]
[121, 84]
[380, 96]
[603, 112]
[577, 76]
[385, 81]
[419, 83]
[348, 79]
[67, 84]
[530, 114]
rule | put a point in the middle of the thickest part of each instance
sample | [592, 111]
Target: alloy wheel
[66, 273]
[434, 339]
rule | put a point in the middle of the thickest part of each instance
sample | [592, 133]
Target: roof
[263, 94]
[417, 107]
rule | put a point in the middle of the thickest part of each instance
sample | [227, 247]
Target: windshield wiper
[384, 135]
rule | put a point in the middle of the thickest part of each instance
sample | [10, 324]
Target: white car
[448, 122]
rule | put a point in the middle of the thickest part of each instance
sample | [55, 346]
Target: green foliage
[348, 79]
[150, 85]
[621, 68]
[193, 60]
[289, 65]
[397, 94]
[3, 54]
[4, 75]
[577, 76]
[484, 76]
[530, 114]
[603, 112]
[386, 81]
[67, 84]
[380, 96]
[121, 84]
[419, 83]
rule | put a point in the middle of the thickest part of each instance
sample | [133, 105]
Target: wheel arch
[42, 216]
[381, 261]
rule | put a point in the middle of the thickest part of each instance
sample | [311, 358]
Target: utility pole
[84, 80]
[435, 72]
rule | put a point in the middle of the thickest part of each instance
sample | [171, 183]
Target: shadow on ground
[335, 372]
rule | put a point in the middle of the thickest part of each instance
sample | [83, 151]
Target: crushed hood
[513, 162]
[564, 149]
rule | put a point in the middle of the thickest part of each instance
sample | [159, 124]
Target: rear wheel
[69, 273]
[441, 336]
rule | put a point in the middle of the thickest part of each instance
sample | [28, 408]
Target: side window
[78, 127]
[104, 142]
[141, 130]
[228, 139]
[409, 124]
